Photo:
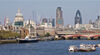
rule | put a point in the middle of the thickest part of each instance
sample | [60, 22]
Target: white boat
[73, 48]
[82, 47]
[98, 45]
[86, 48]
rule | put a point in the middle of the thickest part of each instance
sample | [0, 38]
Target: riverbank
[40, 39]
[8, 41]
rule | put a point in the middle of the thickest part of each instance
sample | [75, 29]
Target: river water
[47, 48]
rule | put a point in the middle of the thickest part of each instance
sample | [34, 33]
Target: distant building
[7, 24]
[44, 20]
[83, 26]
[53, 22]
[97, 23]
[50, 23]
[19, 20]
[90, 22]
[78, 18]
[59, 18]
[31, 26]
[31, 23]
[1, 27]
[69, 26]
[47, 23]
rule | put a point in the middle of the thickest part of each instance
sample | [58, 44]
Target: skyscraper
[97, 22]
[59, 17]
[53, 22]
[78, 18]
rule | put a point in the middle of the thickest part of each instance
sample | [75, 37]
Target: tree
[47, 34]
[8, 34]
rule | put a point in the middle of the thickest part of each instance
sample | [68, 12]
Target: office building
[59, 18]
[78, 18]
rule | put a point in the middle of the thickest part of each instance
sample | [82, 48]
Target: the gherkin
[78, 18]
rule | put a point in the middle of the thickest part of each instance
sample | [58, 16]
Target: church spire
[19, 10]
[19, 13]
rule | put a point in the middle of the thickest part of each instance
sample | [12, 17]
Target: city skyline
[89, 9]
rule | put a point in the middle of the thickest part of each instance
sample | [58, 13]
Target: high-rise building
[97, 22]
[59, 17]
[19, 20]
[53, 22]
[78, 18]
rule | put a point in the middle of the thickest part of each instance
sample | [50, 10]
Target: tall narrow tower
[78, 18]
[59, 18]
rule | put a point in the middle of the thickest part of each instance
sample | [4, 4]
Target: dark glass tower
[78, 18]
[59, 17]
[53, 22]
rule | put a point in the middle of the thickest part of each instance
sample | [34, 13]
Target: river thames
[47, 48]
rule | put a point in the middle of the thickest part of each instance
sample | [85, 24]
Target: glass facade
[60, 21]
[78, 18]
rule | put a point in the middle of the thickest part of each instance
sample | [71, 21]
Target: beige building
[50, 30]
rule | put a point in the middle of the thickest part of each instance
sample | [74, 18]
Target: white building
[31, 22]
[83, 26]
[19, 20]
[31, 26]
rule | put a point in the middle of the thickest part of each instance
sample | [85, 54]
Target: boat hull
[27, 41]
[86, 50]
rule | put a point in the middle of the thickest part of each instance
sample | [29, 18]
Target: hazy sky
[89, 9]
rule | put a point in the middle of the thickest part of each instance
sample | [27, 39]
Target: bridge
[78, 36]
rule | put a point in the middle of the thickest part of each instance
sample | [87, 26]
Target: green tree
[47, 34]
[8, 34]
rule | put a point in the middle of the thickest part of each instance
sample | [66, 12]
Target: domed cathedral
[19, 20]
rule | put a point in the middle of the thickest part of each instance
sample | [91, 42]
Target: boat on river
[28, 39]
[87, 48]
[31, 37]
[82, 48]
[73, 48]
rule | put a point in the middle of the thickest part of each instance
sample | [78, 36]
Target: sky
[89, 9]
